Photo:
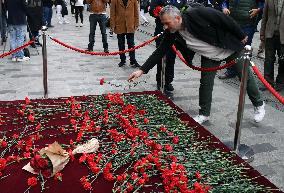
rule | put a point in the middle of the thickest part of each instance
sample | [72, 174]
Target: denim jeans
[17, 38]
[94, 19]
[249, 31]
[47, 15]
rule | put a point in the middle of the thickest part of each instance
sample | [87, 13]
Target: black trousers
[121, 46]
[94, 19]
[273, 46]
[170, 61]
[79, 12]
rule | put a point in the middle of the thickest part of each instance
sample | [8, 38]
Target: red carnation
[175, 140]
[168, 148]
[32, 181]
[102, 81]
[4, 144]
[31, 118]
[27, 100]
[3, 163]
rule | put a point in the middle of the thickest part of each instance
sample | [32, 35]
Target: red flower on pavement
[3, 144]
[15, 136]
[102, 81]
[38, 126]
[146, 121]
[163, 129]
[32, 181]
[168, 148]
[198, 175]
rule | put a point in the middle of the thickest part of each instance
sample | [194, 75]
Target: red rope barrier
[266, 84]
[17, 49]
[231, 63]
[103, 53]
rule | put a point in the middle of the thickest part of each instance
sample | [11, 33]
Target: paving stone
[265, 170]
[263, 147]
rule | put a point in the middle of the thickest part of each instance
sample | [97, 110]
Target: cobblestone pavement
[71, 73]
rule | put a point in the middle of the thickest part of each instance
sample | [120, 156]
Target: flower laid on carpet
[145, 146]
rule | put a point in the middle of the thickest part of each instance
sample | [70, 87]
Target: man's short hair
[170, 10]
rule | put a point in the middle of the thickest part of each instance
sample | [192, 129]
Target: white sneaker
[81, 24]
[259, 113]
[77, 24]
[14, 59]
[201, 119]
[60, 22]
[23, 59]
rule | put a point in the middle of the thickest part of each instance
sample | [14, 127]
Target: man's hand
[244, 41]
[135, 75]
[226, 11]
[253, 13]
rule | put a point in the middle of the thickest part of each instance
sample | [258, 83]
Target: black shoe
[226, 75]
[169, 87]
[106, 50]
[135, 64]
[50, 26]
[89, 49]
[120, 64]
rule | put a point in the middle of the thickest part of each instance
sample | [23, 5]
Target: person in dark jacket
[214, 36]
[155, 5]
[17, 27]
[34, 19]
[3, 22]
[47, 12]
[245, 13]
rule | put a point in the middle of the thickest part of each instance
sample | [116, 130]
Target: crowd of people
[217, 30]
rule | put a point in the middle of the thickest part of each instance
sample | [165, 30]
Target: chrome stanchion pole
[44, 58]
[163, 75]
[242, 150]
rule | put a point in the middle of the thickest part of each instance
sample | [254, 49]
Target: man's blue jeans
[17, 38]
[47, 15]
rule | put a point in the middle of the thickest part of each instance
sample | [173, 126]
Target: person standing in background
[124, 20]
[47, 12]
[3, 21]
[79, 8]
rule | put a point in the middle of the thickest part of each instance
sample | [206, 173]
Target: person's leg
[131, 44]
[76, 14]
[206, 86]
[121, 46]
[59, 15]
[12, 35]
[169, 73]
[50, 13]
[45, 15]
[270, 51]
[252, 88]
[81, 9]
[280, 75]
[20, 38]
[102, 23]
[93, 24]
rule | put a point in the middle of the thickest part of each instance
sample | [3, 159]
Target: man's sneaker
[23, 59]
[201, 119]
[169, 87]
[60, 22]
[120, 64]
[135, 64]
[14, 59]
[81, 24]
[259, 113]
[77, 24]
[65, 21]
[50, 26]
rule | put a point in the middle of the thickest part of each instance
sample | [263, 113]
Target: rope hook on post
[44, 62]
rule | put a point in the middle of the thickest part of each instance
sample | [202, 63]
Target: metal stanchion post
[244, 151]
[163, 75]
[44, 58]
